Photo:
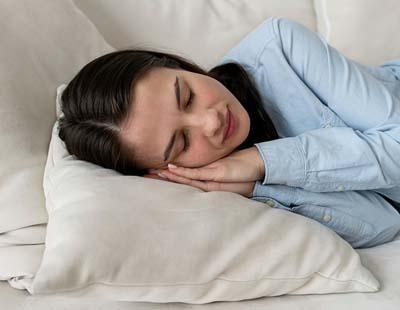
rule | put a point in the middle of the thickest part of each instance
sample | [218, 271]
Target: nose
[210, 122]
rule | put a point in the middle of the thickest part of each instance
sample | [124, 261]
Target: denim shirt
[338, 121]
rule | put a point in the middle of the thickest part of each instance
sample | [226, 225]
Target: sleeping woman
[284, 119]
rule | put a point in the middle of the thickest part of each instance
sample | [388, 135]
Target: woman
[284, 119]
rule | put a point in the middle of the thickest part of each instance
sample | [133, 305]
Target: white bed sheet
[383, 261]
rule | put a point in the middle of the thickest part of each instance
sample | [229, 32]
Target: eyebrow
[170, 144]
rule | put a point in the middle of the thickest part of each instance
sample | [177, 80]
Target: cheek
[208, 97]
[211, 92]
[209, 153]
[199, 150]
[200, 153]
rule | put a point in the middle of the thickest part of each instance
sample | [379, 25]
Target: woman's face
[155, 117]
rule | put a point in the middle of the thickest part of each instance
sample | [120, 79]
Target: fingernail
[162, 175]
[172, 166]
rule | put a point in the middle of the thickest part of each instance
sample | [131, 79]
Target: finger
[202, 173]
[175, 177]
[152, 176]
[243, 188]
[207, 186]
[166, 176]
[203, 185]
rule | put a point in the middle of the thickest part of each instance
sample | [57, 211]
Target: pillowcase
[130, 238]
[362, 30]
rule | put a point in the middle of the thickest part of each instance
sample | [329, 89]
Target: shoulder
[248, 50]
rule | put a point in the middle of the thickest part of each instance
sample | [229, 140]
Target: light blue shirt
[339, 128]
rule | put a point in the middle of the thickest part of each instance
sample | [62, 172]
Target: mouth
[227, 124]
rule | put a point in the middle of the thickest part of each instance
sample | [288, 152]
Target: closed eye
[191, 95]
[185, 136]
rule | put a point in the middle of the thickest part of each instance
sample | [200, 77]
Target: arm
[362, 96]
[353, 227]
[362, 218]
[363, 156]
[334, 159]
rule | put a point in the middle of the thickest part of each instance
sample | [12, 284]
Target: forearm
[334, 159]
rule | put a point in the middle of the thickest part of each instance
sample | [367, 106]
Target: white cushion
[20, 263]
[199, 30]
[21, 252]
[43, 43]
[34, 234]
[110, 236]
[363, 30]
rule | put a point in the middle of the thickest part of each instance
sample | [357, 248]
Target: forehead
[144, 129]
[155, 88]
[154, 77]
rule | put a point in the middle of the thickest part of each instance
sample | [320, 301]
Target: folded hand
[239, 166]
[243, 188]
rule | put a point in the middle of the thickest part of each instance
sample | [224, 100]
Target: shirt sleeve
[363, 156]
[355, 229]
[362, 218]
[334, 159]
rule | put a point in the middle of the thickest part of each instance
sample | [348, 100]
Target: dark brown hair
[96, 102]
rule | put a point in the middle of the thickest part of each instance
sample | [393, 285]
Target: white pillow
[364, 30]
[131, 238]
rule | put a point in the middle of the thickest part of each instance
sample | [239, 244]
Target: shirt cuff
[284, 161]
[284, 196]
[256, 190]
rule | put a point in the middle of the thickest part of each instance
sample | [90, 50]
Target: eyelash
[185, 138]
[191, 95]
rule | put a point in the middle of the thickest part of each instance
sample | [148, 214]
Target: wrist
[258, 160]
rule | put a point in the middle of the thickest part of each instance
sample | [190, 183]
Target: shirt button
[327, 218]
[271, 203]
[340, 187]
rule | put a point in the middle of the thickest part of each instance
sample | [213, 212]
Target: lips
[228, 123]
